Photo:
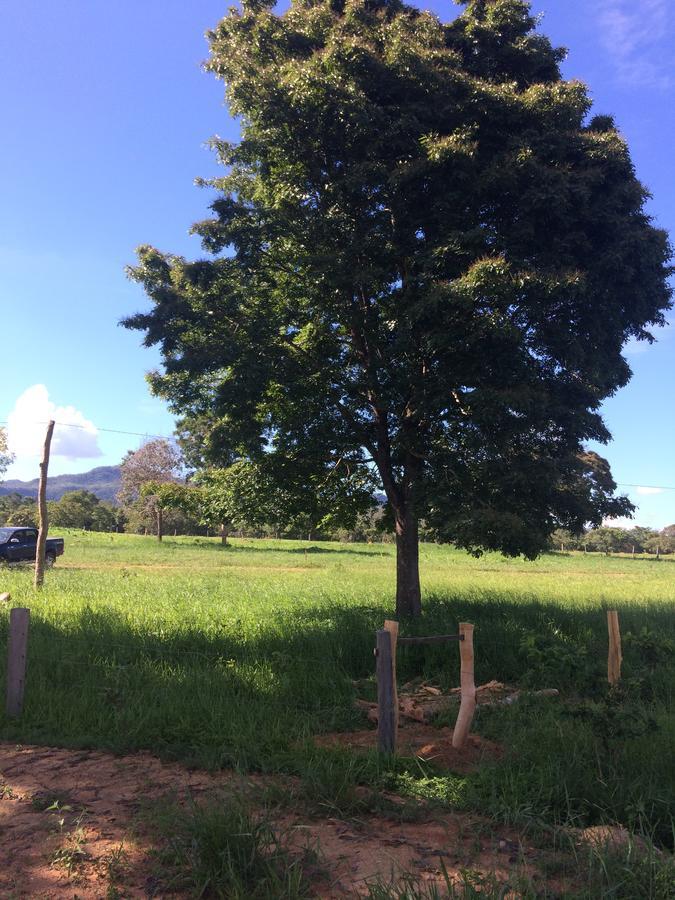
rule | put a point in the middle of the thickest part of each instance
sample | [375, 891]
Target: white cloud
[619, 522]
[638, 37]
[647, 491]
[75, 437]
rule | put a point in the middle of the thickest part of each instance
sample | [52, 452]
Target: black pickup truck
[17, 545]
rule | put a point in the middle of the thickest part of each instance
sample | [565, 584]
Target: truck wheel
[50, 559]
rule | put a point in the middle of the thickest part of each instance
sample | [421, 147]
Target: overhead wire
[169, 437]
[166, 437]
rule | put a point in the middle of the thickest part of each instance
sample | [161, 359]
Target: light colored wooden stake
[468, 702]
[17, 647]
[386, 719]
[614, 655]
[391, 626]
[42, 509]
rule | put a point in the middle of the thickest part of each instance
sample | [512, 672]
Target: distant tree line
[611, 539]
[75, 509]
[160, 494]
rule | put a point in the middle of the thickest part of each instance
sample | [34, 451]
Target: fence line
[387, 641]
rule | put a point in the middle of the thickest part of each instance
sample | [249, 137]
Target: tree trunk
[160, 523]
[408, 593]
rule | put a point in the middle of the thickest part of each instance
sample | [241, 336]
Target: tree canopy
[82, 509]
[158, 462]
[248, 495]
[423, 260]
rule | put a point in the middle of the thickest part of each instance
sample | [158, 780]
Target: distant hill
[104, 481]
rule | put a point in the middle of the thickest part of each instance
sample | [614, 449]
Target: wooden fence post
[17, 646]
[42, 509]
[386, 718]
[614, 654]
[391, 626]
[467, 705]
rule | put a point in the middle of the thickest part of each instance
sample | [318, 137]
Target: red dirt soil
[100, 796]
[432, 745]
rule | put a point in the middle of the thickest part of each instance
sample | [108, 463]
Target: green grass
[237, 656]
[218, 849]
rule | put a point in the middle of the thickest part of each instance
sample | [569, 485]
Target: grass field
[237, 656]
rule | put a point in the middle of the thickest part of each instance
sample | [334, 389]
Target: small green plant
[468, 884]
[653, 649]
[51, 801]
[633, 871]
[115, 865]
[72, 854]
[618, 716]
[221, 850]
[553, 661]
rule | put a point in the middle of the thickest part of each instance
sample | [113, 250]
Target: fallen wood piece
[411, 710]
[516, 695]
[492, 686]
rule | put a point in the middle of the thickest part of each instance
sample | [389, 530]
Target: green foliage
[653, 649]
[156, 462]
[82, 509]
[424, 256]
[556, 660]
[6, 458]
[220, 849]
[285, 495]
[18, 510]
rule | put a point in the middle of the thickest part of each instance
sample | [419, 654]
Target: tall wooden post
[42, 509]
[17, 647]
[386, 719]
[614, 657]
[467, 705]
[391, 626]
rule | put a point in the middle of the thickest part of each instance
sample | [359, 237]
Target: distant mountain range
[104, 481]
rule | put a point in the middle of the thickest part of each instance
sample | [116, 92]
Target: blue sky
[105, 116]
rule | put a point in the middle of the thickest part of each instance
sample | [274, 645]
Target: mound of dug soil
[432, 745]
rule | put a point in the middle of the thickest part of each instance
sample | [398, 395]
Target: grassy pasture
[237, 656]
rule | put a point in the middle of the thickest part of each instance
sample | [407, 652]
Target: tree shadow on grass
[299, 665]
[205, 543]
[251, 698]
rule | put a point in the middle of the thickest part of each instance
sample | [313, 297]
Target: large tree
[424, 257]
[159, 462]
